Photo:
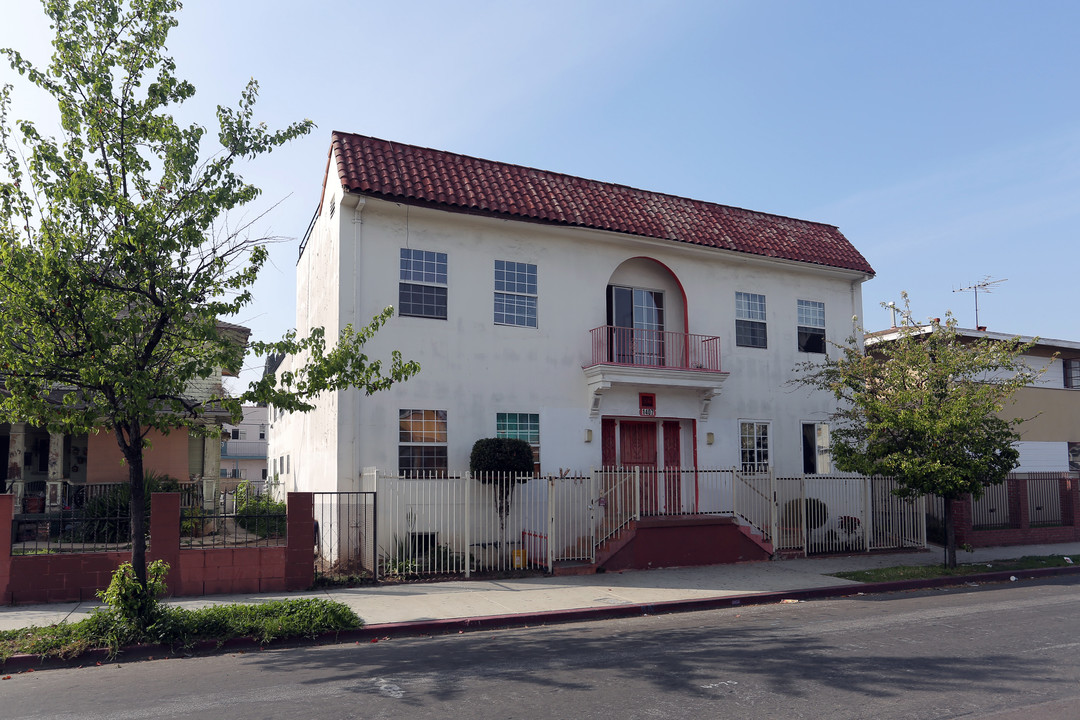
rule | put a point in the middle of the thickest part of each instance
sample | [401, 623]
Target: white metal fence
[462, 524]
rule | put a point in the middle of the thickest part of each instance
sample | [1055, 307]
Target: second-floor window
[515, 293]
[422, 286]
[1072, 373]
[811, 326]
[750, 330]
[636, 317]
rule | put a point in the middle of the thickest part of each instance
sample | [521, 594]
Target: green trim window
[521, 426]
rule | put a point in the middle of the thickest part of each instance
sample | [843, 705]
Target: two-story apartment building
[603, 324]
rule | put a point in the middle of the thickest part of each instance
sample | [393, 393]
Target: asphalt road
[995, 651]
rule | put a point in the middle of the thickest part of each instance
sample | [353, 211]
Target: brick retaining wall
[66, 577]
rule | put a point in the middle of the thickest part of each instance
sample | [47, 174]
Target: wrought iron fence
[991, 511]
[345, 531]
[246, 516]
[86, 518]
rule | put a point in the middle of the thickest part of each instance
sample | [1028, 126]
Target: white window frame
[822, 442]
[516, 294]
[762, 459]
[750, 309]
[810, 324]
[427, 272]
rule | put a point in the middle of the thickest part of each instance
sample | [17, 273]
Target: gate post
[468, 525]
[802, 517]
[637, 492]
[772, 508]
[869, 510]
[550, 514]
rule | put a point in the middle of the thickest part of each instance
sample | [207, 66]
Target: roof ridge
[589, 180]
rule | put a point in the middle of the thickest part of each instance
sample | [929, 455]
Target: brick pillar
[7, 509]
[300, 546]
[961, 516]
[165, 536]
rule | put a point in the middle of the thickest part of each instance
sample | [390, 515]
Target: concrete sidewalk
[423, 603]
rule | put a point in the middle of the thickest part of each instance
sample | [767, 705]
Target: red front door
[672, 467]
[637, 448]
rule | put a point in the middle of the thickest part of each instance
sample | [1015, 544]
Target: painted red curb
[369, 633]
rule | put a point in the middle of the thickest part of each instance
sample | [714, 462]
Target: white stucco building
[603, 324]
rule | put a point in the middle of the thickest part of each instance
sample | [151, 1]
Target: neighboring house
[605, 325]
[243, 446]
[1050, 433]
[39, 462]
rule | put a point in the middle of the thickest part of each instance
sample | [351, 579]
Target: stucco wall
[168, 454]
[474, 369]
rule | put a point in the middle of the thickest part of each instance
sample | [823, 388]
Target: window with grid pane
[422, 286]
[750, 330]
[422, 443]
[1072, 373]
[515, 293]
[754, 446]
[811, 328]
[521, 426]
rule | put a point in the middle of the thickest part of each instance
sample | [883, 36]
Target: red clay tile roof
[411, 174]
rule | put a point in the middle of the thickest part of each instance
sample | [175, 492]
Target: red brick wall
[1022, 533]
[77, 576]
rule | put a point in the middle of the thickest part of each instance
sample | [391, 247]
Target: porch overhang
[602, 377]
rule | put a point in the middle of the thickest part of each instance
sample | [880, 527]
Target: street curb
[420, 628]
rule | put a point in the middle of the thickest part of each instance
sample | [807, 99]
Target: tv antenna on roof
[987, 286]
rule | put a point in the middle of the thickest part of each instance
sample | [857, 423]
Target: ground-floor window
[422, 443]
[815, 449]
[754, 446]
[521, 426]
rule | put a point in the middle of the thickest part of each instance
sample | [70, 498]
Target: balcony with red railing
[654, 349]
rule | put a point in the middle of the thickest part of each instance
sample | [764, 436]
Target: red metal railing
[654, 348]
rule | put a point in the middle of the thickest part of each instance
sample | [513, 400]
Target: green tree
[925, 407]
[116, 262]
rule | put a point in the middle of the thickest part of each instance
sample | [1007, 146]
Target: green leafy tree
[925, 407]
[116, 263]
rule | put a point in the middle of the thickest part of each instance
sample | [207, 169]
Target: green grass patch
[179, 628]
[923, 572]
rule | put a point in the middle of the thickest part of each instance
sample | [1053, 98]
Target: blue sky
[943, 138]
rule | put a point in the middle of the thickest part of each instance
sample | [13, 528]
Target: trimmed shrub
[501, 463]
[501, 455]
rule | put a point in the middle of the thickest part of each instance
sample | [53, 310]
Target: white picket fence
[461, 524]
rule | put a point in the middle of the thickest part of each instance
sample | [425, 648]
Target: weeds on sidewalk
[924, 572]
[127, 621]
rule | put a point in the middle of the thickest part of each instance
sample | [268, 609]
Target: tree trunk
[133, 453]
[950, 536]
